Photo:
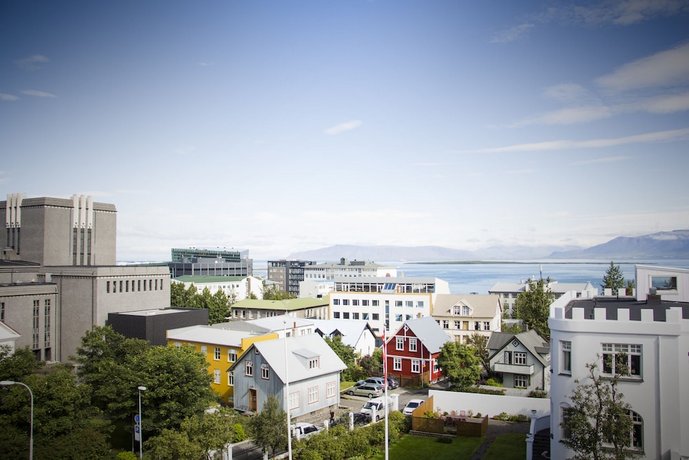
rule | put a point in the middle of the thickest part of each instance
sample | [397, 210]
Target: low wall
[491, 405]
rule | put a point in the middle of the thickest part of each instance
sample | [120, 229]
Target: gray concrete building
[58, 277]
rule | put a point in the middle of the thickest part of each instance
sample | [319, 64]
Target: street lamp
[141, 431]
[10, 382]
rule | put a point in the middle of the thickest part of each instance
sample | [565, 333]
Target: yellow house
[221, 348]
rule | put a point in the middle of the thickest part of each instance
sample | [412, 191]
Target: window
[412, 344]
[330, 389]
[622, 359]
[294, 400]
[314, 363]
[365, 316]
[336, 301]
[345, 315]
[364, 303]
[313, 394]
[486, 325]
[355, 302]
[415, 366]
[375, 316]
[396, 364]
[216, 354]
[126, 286]
[107, 287]
[231, 355]
[230, 378]
[121, 286]
[664, 283]
[36, 321]
[458, 324]
[465, 325]
[420, 304]
[565, 357]
[204, 349]
[637, 433]
[398, 318]
[409, 303]
[466, 311]
[477, 325]
[138, 285]
[521, 381]
[398, 303]
[399, 343]
[374, 303]
[249, 369]
[336, 314]
[216, 376]
[265, 372]
[46, 324]
[507, 357]
[355, 315]
[520, 358]
[345, 301]
[566, 413]
[446, 324]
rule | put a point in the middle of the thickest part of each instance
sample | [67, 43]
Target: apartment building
[386, 303]
[287, 274]
[463, 315]
[508, 292]
[210, 262]
[234, 287]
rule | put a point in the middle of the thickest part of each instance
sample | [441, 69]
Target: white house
[462, 315]
[234, 287]
[306, 363]
[668, 282]
[523, 360]
[508, 292]
[285, 325]
[651, 337]
[357, 334]
[385, 302]
[8, 338]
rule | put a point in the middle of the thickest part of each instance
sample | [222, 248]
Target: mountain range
[661, 245]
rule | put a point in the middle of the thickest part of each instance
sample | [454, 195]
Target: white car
[304, 430]
[411, 406]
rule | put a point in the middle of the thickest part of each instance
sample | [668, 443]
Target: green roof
[207, 279]
[284, 305]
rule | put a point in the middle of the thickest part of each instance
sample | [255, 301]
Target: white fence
[491, 405]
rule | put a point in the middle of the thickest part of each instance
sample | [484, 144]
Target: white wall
[491, 405]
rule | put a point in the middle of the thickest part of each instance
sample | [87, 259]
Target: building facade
[210, 262]
[651, 338]
[234, 287]
[508, 292]
[522, 360]
[309, 308]
[385, 302]
[287, 274]
[463, 315]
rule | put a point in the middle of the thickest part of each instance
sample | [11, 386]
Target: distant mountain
[661, 245]
[425, 253]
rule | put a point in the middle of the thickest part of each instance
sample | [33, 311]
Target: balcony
[520, 369]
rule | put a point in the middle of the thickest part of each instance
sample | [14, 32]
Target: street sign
[137, 433]
[137, 419]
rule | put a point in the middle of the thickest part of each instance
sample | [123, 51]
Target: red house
[413, 350]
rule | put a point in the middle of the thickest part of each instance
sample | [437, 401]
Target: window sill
[565, 374]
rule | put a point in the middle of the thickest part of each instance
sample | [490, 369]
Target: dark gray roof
[612, 305]
[533, 342]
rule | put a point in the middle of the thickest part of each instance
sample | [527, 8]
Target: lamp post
[10, 382]
[141, 431]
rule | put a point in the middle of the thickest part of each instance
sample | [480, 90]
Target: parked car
[375, 408]
[411, 406]
[367, 389]
[303, 430]
[361, 418]
[392, 383]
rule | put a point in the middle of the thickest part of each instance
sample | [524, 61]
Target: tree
[184, 298]
[460, 365]
[348, 356]
[533, 306]
[218, 307]
[480, 344]
[372, 364]
[172, 444]
[598, 423]
[613, 278]
[18, 365]
[270, 426]
[273, 293]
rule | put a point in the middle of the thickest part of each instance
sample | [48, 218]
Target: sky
[281, 126]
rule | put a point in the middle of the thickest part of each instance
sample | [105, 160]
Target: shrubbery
[505, 417]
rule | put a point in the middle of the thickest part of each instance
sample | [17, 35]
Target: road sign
[137, 432]
[137, 419]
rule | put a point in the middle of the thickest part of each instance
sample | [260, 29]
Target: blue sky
[292, 125]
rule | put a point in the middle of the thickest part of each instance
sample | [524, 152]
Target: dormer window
[314, 363]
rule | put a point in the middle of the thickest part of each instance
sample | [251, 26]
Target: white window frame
[231, 355]
[204, 350]
[313, 394]
[265, 372]
[230, 378]
[294, 400]
[315, 363]
[330, 389]
[249, 369]
[565, 357]
[413, 344]
[396, 363]
[217, 353]
[626, 351]
[519, 358]
[416, 366]
[399, 343]
[216, 376]
[524, 378]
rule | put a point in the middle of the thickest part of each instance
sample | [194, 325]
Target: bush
[505, 417]
[484, 391]
[538, 394]
[493, 382]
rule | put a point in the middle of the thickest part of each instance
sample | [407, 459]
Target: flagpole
[385, 382]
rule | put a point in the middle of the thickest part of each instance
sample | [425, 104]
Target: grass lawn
[509, 446]
[425, 448]
[345, 385]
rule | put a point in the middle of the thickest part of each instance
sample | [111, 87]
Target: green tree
[18, 365]
[212, 432]
[480, 344]
[348, 355]
[533, 306]
[373, 363]
[172, 444]
[613, 278]
[269, 427]
[218, 307]
[184, 297]
[459, 364]
[273, 293]
[598, 423]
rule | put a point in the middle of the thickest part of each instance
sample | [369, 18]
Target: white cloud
[568, 116]
[626, 12]
[669, 103]
[33, 62]
[511, 34]
[565, 144]
[567, 92]
[594, 161]
[343, 127]
[663, 69]
[8, 97]
[37, 93]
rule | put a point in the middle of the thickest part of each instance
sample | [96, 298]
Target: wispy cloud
[37, 93]
[33, 62]
[595, 161]
[565, 144]
[343, 127]
[626, 12]
[568, 116]
[663, 69]
[568, 92]
[511, 34]
[5, 97]
[667, 103]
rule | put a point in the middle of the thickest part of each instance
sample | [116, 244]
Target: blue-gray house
[313, 372]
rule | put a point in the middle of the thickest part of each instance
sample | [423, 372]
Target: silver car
[371, 390]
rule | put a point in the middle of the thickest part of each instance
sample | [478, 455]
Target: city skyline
[283, 127]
